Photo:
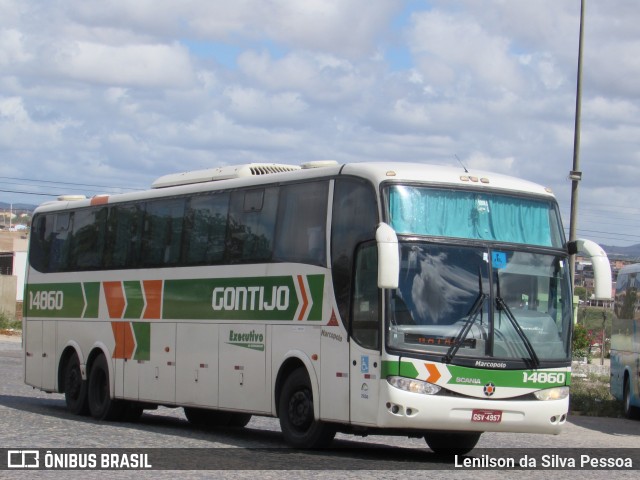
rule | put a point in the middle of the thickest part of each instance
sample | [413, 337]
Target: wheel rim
[301, 410]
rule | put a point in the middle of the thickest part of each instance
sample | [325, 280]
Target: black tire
[295, 410]
[631, 412]
[131, 412]
[452, 443]
[75, 388]
[204, 418]
[101, 405]
[239, 420]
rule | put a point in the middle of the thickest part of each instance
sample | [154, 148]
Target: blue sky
[98, 96]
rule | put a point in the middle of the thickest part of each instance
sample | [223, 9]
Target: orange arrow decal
[305, 300]
[434, 373]
[115, 298]
[153, 294]
[125, 343]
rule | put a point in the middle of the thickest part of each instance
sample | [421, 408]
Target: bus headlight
[557, 393]
[413, 386]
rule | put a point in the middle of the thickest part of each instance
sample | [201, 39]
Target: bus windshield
[467, 301]
[438, 212]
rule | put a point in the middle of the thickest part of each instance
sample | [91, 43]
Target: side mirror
[602, 283]
[388, 257]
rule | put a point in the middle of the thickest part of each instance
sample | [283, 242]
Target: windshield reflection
[441, 306]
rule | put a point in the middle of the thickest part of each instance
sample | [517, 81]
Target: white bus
[366, 298]
[625, 341]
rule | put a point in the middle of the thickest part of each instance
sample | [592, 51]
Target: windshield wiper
[502, 305]
[475, 310]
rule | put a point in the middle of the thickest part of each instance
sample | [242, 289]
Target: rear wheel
[299, 426]
[452, 443]
[630, 411]
[75, 388]
[101, 405]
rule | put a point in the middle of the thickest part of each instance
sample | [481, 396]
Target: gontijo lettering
[250, 298]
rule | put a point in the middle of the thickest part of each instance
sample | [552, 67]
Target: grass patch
[590, 396]
[8, 323]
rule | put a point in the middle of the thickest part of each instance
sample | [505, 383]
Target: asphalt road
[31, 419]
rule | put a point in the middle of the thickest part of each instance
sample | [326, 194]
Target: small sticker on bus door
[498, 260]
[364, 364]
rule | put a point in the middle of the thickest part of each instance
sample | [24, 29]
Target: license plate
[486, 416]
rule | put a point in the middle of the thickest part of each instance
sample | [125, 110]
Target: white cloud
[133, 65]
[127, 91]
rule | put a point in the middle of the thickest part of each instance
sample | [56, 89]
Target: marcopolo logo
[251, 340]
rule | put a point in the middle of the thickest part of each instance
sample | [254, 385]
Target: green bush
[591, 397]
[581, 341]
[8, 323]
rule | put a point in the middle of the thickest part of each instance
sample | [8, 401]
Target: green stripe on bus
[508, 378]
[63, 300]
[92, 294]
[142, 334]
[395, 367]
[135, 300]
[247, 298]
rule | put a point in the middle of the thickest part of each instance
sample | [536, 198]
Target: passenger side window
[302, 219]
[207, 229]
[162, 238]
[88, 238]
[124, 227]
[251, 227]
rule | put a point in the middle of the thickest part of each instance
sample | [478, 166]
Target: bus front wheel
[295, 410]
[75, 388]
[452, 443]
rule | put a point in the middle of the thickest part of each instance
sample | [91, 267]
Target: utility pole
[575, 175]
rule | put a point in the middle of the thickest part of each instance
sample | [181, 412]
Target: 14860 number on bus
[46, 300]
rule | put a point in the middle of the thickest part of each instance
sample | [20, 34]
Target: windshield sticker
[498, 260]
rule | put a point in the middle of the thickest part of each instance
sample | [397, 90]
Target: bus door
[364, 349]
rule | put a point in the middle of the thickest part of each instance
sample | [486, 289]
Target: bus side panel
[157, 376]
[33, 352]
[244, 376]
[334, 378]
[197, 365]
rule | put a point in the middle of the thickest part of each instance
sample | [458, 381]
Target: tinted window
[354, 220]
[302, 218]
[59, 240]
[162, 238]
[252, 219]
[207, 227]
[124, 232]
[88, 238]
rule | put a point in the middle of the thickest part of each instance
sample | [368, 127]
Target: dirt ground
[10, 336]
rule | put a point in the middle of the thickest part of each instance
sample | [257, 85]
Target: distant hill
[631, 252]
[17, 206]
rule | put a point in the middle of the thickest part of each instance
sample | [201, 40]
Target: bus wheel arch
[292, 362]
[72, 382]
[298, 422]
